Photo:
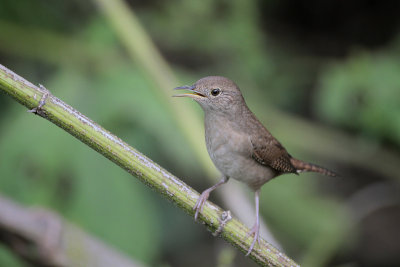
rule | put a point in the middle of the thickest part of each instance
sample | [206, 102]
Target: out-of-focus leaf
[8, 259]
[363, 94]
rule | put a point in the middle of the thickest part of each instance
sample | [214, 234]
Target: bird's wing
[271, 153]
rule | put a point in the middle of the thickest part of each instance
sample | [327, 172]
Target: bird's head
[214, 93]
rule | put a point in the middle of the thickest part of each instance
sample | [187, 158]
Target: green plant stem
[136, 164]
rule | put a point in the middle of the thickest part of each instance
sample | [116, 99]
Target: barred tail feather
[302, 166]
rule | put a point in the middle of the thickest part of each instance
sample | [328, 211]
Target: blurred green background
[323, 76]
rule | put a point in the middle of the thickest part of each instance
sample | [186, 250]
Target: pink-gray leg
[255, 230]
[204, 196]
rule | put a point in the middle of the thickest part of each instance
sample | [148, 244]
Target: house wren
[238, 144]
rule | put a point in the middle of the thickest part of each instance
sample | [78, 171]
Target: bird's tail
[302, 166]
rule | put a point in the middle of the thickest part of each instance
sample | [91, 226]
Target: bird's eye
[215, 91]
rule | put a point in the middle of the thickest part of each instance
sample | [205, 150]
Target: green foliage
[8, 259]
[362, 93]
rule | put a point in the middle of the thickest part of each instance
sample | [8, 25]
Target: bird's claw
[255, 230]
[200, 203]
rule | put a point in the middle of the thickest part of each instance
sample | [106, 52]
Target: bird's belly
[233, 160]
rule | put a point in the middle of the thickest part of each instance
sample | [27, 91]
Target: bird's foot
[255, 231]
[200, 203]
[204, 196]
[38, 109]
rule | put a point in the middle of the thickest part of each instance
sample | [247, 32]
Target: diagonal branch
[136, 164]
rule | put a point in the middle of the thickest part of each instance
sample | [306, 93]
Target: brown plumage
[275, 155]
[302, 166]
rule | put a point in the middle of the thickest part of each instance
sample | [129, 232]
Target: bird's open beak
[192, 93]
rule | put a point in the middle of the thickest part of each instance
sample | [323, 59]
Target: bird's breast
[231, 152]
[224, 142]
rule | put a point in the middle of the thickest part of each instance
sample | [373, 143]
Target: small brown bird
[238, 144]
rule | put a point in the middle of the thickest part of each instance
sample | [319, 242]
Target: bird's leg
[204, 196]
[255, 230]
